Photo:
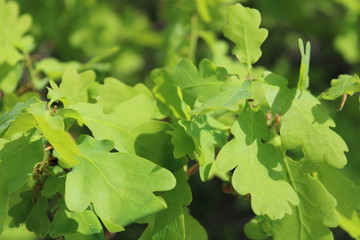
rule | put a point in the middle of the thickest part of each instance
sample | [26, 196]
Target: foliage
[85, 156]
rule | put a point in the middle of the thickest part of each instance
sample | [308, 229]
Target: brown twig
[193, 169]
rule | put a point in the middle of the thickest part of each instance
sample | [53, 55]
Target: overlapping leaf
[120, 186]
[347, 195]
[315, 213]
[243, 29]
[194, 84]
[305, 123]
[254, 164]
[207, 133]
[175, 222]
[53, 130]
[17, 160]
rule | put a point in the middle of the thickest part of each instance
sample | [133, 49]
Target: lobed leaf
[120, 186]
[254, 164]
[243, 29]
[348, 84]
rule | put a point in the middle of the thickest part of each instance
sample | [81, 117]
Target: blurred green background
[132, 37]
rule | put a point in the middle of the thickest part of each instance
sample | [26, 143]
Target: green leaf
[315, 213]
[53, 130]
[243, 29]
[303, 83]
[118, 124]
[53, 68]
[114, 92]
[182, 142]
[118, 185]
[76, 226]
[10, 76]
[13, 27]
[305, 123]
[230, 98]
[257, 167]
[207, 133]
[348, 84]
[347, 195]
[195, 85]
[17, 160]
[8, 118]
[258, 228]
[175, 222]
[73, 88]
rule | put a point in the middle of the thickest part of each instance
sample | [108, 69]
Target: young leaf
[175, 222]
[304, 123]
[315, 213]
[348, 84]
[120, 186]
[53, 130]
[303, 83]
[17, 160]
[254, 162]
[73, 88]
[243, 29]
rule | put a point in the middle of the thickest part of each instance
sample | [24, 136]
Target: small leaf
[120, 186]
[243, 29]
[303, 83]
[348, 84]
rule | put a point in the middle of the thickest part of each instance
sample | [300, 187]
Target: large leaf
[243, 29]
[118, 124]
[175, 222]
[53, 130]
[17, 160]
[255, 164]
[120, 186]
[315, 213]
[305, 123]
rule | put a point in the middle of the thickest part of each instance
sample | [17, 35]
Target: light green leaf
[230, 98]
[114, 92]
[22, 123]
[17, 160]
[73, 88]
[315, 213]
[258, 228]
[259, 169]
[117, 125]
[194, 84]
[53, 68]
[347, 195]
[12, 33]
[175, 222]
[182, 142]
[243, 29]
[10, 76]
[305, 123]
[53, 130]
[8, 118]
[303, 83]
[207, 133]
[348, 84]
[118, 185]
[76, 226]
